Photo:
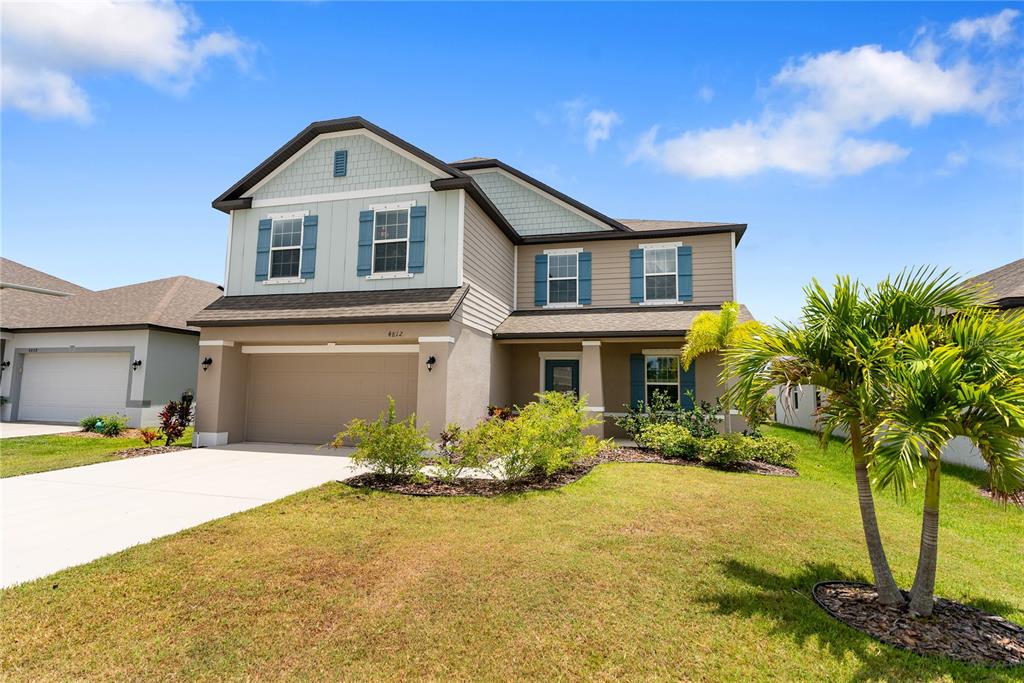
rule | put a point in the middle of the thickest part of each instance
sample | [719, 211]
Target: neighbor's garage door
[296, 398]
[65, 387]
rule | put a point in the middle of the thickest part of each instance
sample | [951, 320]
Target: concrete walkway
[53, 520]
[12, 429]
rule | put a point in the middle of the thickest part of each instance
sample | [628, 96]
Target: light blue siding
[369, 165]
[529, 211]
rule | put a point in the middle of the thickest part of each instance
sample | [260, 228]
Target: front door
[562, 375]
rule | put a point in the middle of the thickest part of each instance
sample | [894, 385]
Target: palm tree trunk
[922, 595]
[885, 585]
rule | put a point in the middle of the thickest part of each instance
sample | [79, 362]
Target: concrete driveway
[53, 520]
[11, 429]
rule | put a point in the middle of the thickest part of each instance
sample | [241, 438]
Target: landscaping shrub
[88, 424]
[149, 435]
[726, 451]
[671, 440]
[459, 450]
[774, 451]
[111, 425]
[701, 421]
[387, 445]
[174, 419]
[546, 438]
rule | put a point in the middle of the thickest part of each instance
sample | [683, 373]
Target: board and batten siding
[712, 269]
[338, 242]
[530, 211]
[370, 165]
[488, 258]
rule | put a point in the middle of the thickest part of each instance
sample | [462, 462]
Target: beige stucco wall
[712, 268]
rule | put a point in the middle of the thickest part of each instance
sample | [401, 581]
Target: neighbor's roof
[165, 303]
[646, 321]
[17, 275]
[1006, 284]
[406, 305]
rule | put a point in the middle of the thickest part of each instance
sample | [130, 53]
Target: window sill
[389, 276]
[285, 281]
[563, 306]
[664, 302]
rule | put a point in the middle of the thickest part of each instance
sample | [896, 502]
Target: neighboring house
[361, 267]
[1006, 291]
[68, 352]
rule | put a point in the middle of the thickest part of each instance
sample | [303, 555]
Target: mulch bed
[954, 630]
[1013, 499]
[126, 434]
[492, 487]
[148, 450]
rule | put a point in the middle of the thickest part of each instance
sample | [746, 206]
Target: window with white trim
[285, 247]
[391, 241]
[563, 279]
[660, 274]
[661, 374]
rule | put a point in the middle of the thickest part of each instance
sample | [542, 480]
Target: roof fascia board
[103, 328]
[352, 320]
[737, 228]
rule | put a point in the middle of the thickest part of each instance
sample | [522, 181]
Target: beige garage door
[295, 398]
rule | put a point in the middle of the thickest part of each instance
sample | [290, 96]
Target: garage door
[65, 387]
[295, 398]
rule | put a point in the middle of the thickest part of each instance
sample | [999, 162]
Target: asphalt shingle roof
[640, 321]
[14, 273]
[1006, 283]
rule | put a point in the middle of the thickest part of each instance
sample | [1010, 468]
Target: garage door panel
[65, 387]
[297, 398]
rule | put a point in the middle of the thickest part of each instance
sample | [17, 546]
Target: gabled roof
[165, 304]
[1006, 284]
[647, 321]
[20, 276]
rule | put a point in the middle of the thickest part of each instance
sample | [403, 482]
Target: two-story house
[361, 267]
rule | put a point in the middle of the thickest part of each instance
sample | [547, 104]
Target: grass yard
[635, 571]
[28, 454]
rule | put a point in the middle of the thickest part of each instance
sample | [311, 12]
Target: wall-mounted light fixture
[136, 365]
[430, 363]
[207, 362]
[6, 364]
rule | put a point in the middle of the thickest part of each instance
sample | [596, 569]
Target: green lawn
[28, 454]
[635, 571]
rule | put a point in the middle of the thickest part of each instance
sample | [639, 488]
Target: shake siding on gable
[488, 259]
[712, 269]
[528, 210]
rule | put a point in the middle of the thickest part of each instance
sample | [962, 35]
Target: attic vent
[340, 163]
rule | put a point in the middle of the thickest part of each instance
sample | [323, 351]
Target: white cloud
[157, 42]
[996, 28]
[705, 94]
[829, 101]
[599, 126]
[955, 159]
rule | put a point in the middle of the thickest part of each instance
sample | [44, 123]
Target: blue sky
[851, 138]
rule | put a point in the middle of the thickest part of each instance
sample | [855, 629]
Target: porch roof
[637, 321]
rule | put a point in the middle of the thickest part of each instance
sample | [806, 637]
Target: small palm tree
[964, 377]
[846, 344]
[713, 331]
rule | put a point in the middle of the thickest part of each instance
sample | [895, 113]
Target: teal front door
[562, 375]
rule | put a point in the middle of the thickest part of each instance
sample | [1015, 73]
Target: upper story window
[563, 278]
[660, 274]
[390, 241]
[285, 247]
[661, 374]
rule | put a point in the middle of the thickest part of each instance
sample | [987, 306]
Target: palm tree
[845, 344]
[713, 331]
[964, 377]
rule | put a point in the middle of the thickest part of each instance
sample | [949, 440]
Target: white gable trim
[334, 196]
[537, 190]
[344, 134]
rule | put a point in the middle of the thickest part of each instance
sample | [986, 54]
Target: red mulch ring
[1013, 498]
[148, 450]
[492, 487]
[954, 630]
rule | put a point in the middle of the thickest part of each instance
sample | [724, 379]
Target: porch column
[432, 384]
[592, 385]
[220, 393]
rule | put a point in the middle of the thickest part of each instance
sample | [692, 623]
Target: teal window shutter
[417, 238]
[636, 275]
[365, 258]
[341, 163]
[540, 280]
[637, 383]
[308, 267]
[685, 273]
[687, 386]
[263, 249]
[583, 272]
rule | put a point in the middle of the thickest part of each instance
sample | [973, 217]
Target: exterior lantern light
[430, 363]
[207, 362]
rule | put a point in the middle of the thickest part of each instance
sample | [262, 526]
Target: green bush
[701, 421]
[671, 440]
[774, 451]
[387, 446]
[111, 425]
[546, 438]
[458, 450]
[726, 451]
[88, 424]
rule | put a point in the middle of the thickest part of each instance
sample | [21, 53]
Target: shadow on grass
[785, 600]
